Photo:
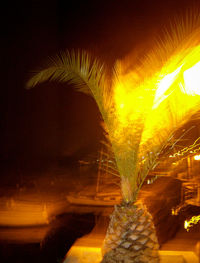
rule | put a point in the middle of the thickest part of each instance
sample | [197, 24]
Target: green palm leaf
[80, 69]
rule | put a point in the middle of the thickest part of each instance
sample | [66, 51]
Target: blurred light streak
[163, 85]
[194, 148]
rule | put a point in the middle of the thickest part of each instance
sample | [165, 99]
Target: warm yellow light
[146, 103]
[191, 222]
[121, 105]
[197, 157]
[84, 253]
[131, 101]
[163, 86]
[152, 99]
[192, 79]
[174, 212]
[186, 225]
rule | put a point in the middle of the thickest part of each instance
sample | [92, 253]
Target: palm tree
[142, 104]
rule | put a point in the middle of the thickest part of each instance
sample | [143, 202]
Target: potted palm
[142, 104]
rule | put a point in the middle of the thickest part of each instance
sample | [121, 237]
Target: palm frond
[145, 103]
[180, 33]
[72, 67]
[80, 69]
[154, 99]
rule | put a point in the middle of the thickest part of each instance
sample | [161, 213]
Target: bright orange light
[191, 222]
[87, 253]
[143, 107]
[152, 99]
[129, 103]
[197, 157]
[163, 87]
[186, 225]
[192, 79]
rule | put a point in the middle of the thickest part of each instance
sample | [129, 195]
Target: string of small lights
[191, 149]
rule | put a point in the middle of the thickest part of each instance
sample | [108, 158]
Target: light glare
[163, 87]
[197, 157]
[192, 79]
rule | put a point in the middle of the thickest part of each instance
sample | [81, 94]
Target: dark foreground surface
[62, 233]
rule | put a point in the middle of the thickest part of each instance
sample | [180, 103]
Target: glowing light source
[192, 79]
[186, 225]
[191, 222]
[121, 105]
[163, 87]
[197, 157]
[174, 212]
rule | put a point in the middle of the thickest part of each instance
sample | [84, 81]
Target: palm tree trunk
[131, 236]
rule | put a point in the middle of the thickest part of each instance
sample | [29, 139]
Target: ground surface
[32, 200]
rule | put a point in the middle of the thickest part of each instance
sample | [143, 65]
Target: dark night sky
[52, 121]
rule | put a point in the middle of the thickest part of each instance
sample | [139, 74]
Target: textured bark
[131, 236]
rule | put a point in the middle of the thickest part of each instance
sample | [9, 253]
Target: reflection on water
[35, 220]
[44, 244]
[37, 196]
[15, 212]
[21, 235]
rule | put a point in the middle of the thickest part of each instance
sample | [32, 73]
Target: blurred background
[46, 131]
